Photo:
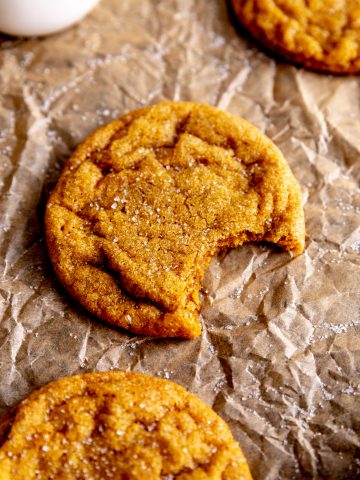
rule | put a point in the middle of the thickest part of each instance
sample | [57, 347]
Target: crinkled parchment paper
[279, 355]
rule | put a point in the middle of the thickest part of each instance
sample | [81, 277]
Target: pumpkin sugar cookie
[121, 425]
[319, 34]
[147, 200]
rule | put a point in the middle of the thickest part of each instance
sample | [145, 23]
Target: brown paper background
[279, 354]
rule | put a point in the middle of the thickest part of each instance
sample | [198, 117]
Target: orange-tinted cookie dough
[146, 201]
[117, 425]
[320, 34]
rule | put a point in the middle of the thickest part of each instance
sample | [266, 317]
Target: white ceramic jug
[41, 17]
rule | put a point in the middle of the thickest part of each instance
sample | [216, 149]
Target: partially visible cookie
[319, 34]
[146, 201]
[118, 425]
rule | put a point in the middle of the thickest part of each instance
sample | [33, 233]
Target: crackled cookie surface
[320, 34]
[147, 200]
[109, 425]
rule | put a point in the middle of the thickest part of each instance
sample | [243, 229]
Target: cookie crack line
[183, 181]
